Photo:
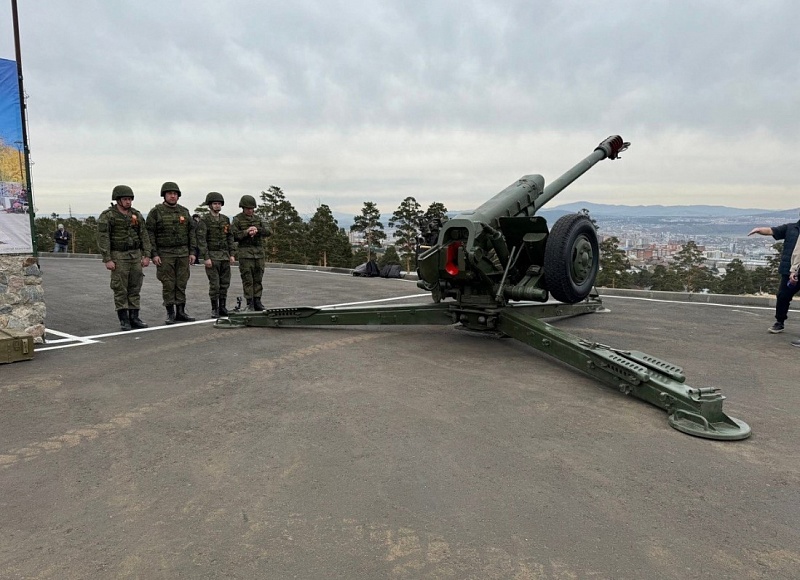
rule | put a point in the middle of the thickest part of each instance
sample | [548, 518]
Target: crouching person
[125, 249]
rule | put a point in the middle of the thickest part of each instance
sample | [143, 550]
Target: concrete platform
[393, 452]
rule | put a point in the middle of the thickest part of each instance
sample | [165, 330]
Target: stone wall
[22, 296]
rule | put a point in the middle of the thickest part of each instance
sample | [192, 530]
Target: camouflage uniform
[122, 239]
[125, 249]
[251, 255]
[173, 239]
[215, 242]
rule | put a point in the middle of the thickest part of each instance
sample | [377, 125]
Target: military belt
[125, 247]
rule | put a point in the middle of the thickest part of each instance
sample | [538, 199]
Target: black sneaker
[776, 328]
[796, 342]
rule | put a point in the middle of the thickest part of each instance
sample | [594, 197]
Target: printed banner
[15, 223]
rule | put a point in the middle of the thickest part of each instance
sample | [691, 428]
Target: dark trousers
[784, 298]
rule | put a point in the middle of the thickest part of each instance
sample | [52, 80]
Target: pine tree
[614, 265]
[327, 242]
[760, 278]
[406, 219]
[390, 256]
[689, 265]
[665, 279]
[435, 210]
[369, 224]
[773, 264]
[737, 280]
[287, 244]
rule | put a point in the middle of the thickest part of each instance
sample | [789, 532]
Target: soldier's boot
[180, 314]
[223, 311]
[136, 322]
[257, 304]
[124, 322]
[170, 314]
[249, 305]
[214, 308]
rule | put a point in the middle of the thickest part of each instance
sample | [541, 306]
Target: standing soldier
[249, 231]
[125, 248]
[216, 247]
[172, 237]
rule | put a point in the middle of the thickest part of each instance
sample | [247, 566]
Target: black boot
[124, 322]
[249, 305]
[222, 310]
[170, 314]
[214, 308]
[136, 322]
[180, 314]
[257, 304]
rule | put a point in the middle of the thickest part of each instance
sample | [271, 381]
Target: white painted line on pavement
[374, 301]
[689, 302]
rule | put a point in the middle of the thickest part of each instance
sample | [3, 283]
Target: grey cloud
[286, 88]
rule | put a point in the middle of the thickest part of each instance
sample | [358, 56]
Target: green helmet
[213, 196]
[247, 201]
[170, 186]
[121, 191]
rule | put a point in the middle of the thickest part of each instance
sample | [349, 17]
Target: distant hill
[683, 211]
[599, 210]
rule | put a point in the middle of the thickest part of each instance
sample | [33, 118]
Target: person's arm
[761, 231]
[193, 225]
[151, 225]
[104, 240]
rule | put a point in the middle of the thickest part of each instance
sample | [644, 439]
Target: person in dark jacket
[62, 238]
[789, 234]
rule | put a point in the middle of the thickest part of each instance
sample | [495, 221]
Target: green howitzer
[488, 266]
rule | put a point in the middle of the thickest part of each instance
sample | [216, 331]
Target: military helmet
[247, 201]
[121, 191]
[213, 196]
[170, 186]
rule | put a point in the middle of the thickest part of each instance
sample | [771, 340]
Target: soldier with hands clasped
[216, 249]
[125, 248]
[173, 241]
[249, 231]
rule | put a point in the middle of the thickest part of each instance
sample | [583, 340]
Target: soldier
[125, 249]
[216, 248]
[249, 231]
[172, 237]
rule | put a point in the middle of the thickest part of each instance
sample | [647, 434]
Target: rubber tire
[571, 234]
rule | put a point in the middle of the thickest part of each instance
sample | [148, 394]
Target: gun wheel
[571, 258]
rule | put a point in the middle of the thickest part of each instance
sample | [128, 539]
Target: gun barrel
[610, 148]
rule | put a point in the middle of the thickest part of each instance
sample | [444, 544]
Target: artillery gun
[494, 269]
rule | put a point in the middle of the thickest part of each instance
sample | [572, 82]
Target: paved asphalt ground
[406, 452]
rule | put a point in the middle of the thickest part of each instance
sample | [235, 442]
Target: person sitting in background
[62, 237]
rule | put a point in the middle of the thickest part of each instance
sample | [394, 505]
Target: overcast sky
[341, 102]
